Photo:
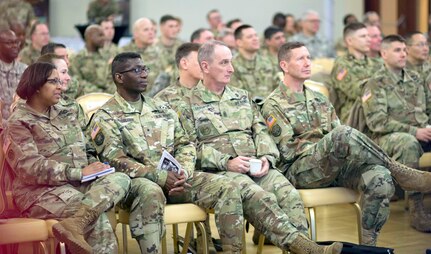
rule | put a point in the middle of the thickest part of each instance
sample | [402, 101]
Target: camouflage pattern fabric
[422, 69]
[167, 56]
[133, 141]
[17, 11]
[318, 46]
[47, 154]
[347, 79]
[10, 76]
[316, 151]
[73, 90]
[98, 11]
[257, 76]
[28, 55]
[228, 126]
[92, 70]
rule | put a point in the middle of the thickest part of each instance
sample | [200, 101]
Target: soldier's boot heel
[303, 245]
[419, 218]
[71, 230]
[410, 179]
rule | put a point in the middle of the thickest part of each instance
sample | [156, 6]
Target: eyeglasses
[137, 70]
[420, 44]
[54, 81]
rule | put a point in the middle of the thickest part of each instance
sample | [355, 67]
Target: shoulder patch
[366, 96]
[270, 121]
[99, 139]
[276, 130]
[342, 72]
[94, 131]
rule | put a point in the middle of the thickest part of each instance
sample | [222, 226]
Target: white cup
[255, 166]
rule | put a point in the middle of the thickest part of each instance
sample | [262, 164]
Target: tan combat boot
[71, 230]
[419, 218]
[410, 179]
[303, 245]
[369, 237]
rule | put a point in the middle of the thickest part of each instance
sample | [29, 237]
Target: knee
[147, 190]
[378, 183]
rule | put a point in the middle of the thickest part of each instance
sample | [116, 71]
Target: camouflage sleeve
[236, 81]
[374, 103]
[343, 80]
[185, 151]
[282, 132]
[110, 140]
[265, 145]
[335, 121]
[427, 89]
[23, 156]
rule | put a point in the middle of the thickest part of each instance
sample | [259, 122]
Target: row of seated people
[296, 135]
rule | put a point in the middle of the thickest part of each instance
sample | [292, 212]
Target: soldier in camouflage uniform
[110, 49]
[397, 107]
[253, 72]
[99, 10]
[143, 40]
[89, 66]
[351, 71]
[131, 131]
[274, 38]
[229, 131]
[418, 54]
[10, 70]
[318, 46]
[17, 11]
[316, 151]
[49, 155]
[73, 88]
[39, 35]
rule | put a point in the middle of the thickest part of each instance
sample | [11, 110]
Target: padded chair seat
[328, 196]
[20, 230]
[425, 160]
[91, 102]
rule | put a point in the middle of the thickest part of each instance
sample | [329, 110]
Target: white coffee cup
[255, 166]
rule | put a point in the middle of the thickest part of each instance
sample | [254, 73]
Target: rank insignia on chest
[341, 74]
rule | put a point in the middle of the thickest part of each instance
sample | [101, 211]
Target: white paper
[97, 175]
[169, 163]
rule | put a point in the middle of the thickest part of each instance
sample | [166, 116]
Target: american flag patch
[270, 121]
[366, 95]
[94, 132]
[341, 74]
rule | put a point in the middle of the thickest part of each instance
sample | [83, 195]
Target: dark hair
[120, 59]
[392, 38]
[347, 17]
[270, 31]
[33, 27]
[409, 36]
[50, 48]
[166, 18]
[211, 12]
[196, 34]
[48, 58]
[33, 78]
[184, 50]
[230, 22]
[279, 20]
[352, 27]
[285, 50]
[238, 31]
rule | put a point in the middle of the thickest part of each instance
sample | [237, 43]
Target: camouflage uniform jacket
[316, 45]
[167, 56]
[177, 96]
[19, 11]
[151, 56]
[423, 69]
[28, 54]
[395, 104]
[97, 12]
[44, 151]
[257, 76]
[273, 59]
[92, 71]
[348, 77]
[9, 79]
[110, 50]
[73, 90]
[228, 126]
[133, 141]
[297, 121]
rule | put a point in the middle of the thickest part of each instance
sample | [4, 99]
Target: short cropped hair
[50, 48]
[351, 28]
[391, 38]
[120, 59]
[48, 58]
[33, 78]
[238, 31]
[284, 53]
[166, 18]
[230, 22]
[184, 50]
[409, 36]
[197, 34]
[206, 50]
[270, 31]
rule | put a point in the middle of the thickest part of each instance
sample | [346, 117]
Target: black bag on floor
[351, 248]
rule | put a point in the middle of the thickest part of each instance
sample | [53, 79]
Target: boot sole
[337, 248]
[63, 235]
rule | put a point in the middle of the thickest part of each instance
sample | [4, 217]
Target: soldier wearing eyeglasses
[10, 69]
[131, 131]
[417, 53]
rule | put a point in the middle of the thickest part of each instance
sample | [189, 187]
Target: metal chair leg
[261, 243]
[204, 242]
[313, 231]
[124, 232]
[359, 221]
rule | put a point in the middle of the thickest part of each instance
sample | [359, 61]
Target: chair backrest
[93, 101]
[322, 65]
[317, 86]
[7, 206]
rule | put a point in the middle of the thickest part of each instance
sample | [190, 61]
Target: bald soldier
[317, 151]
[131, 131]
[397, 108]
[351, 71]
[229, 132]
[89, 66]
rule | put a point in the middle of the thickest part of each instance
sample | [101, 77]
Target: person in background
[109, 47]
[201, 36]
[39, 35]
[376, 40]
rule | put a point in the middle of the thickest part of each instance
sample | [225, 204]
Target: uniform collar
[207, 96]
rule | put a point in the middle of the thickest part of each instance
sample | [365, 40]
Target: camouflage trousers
[101, 194]
[272, 205]
[345, 157]
[146, 202]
